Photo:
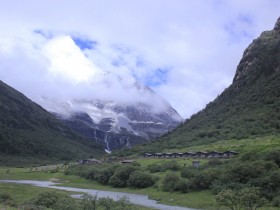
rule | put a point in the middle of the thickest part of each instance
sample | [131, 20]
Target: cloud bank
[187, 51]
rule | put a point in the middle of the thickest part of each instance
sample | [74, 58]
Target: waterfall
[107, 144]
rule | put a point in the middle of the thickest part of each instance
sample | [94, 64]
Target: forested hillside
[26, 129]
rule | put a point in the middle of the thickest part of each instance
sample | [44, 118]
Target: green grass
[144, 162]
[22, 192]
[188, 200]
[243, 145]
[202, 199]
[199, 200]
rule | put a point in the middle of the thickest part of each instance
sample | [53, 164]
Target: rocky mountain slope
[117, 125]
[27, 130]
[249, 107]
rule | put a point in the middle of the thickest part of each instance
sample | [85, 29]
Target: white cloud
[67, 60]
[199, 42]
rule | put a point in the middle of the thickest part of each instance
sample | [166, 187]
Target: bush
[229, 199]
[276, 201]
[121, 176]
[243, 172]
[214, 162]
[4, 197]
[273, 155]
[89, 202]
[109, 204]
[139, 179]
[65, 203]
[183, 186]
[7, 199]
[250, 156]
[204, 179]
[171, 165]
[170, 182]
[103, 176]
[28, 206]
[106, 203]
[153, 168]
[189, 172]
[247, 198]
[251, 198]
[54, 200]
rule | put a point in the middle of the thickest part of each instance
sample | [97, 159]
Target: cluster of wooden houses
[212, 154]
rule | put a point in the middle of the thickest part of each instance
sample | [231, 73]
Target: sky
[186, 51]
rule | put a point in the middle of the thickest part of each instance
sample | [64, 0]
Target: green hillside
[248, 108]
[27, 130]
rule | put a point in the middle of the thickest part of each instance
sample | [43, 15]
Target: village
[212, 154]
[194, 155]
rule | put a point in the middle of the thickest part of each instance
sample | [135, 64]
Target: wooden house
[215, 154]
[145, 155]
[128, 161]
[179, 154]
[158, 155]
[190, 154]
[89, 161]
[168, 155]
[201, 154]
[230, 154]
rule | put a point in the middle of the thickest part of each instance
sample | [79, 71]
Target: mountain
[249, 107]
[114, 124]
[27, 130]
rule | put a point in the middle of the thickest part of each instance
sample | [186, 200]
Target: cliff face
[262, 57]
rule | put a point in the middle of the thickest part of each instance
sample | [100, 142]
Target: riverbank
[141, 200]
[197, 200]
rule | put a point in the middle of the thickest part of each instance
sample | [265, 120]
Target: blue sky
[187, 51]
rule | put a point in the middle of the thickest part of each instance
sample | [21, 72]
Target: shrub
[247, 198]
[169, 182]
[54, 200]
[214, 162]
[250, 156]
[183, 186]
[4, 197]
[276, 201]
[7, 199]
[243, 172]
[109, 204]
[251, 199]
[204, 179]
[229, 199]
[65, 203]
[90, 173]
[171, 165]
[103, 176]
[189, 172]
[139, 179]
[89, 202]
[153, 168]
[273, 155]
[29, 206]
[106, 203]
[121, 176]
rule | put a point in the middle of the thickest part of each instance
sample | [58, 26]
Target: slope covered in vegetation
[249, 107]
[28, 130]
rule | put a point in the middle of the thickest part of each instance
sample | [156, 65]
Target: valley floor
[196, 199]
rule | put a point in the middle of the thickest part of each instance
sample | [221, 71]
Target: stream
[141, 200]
